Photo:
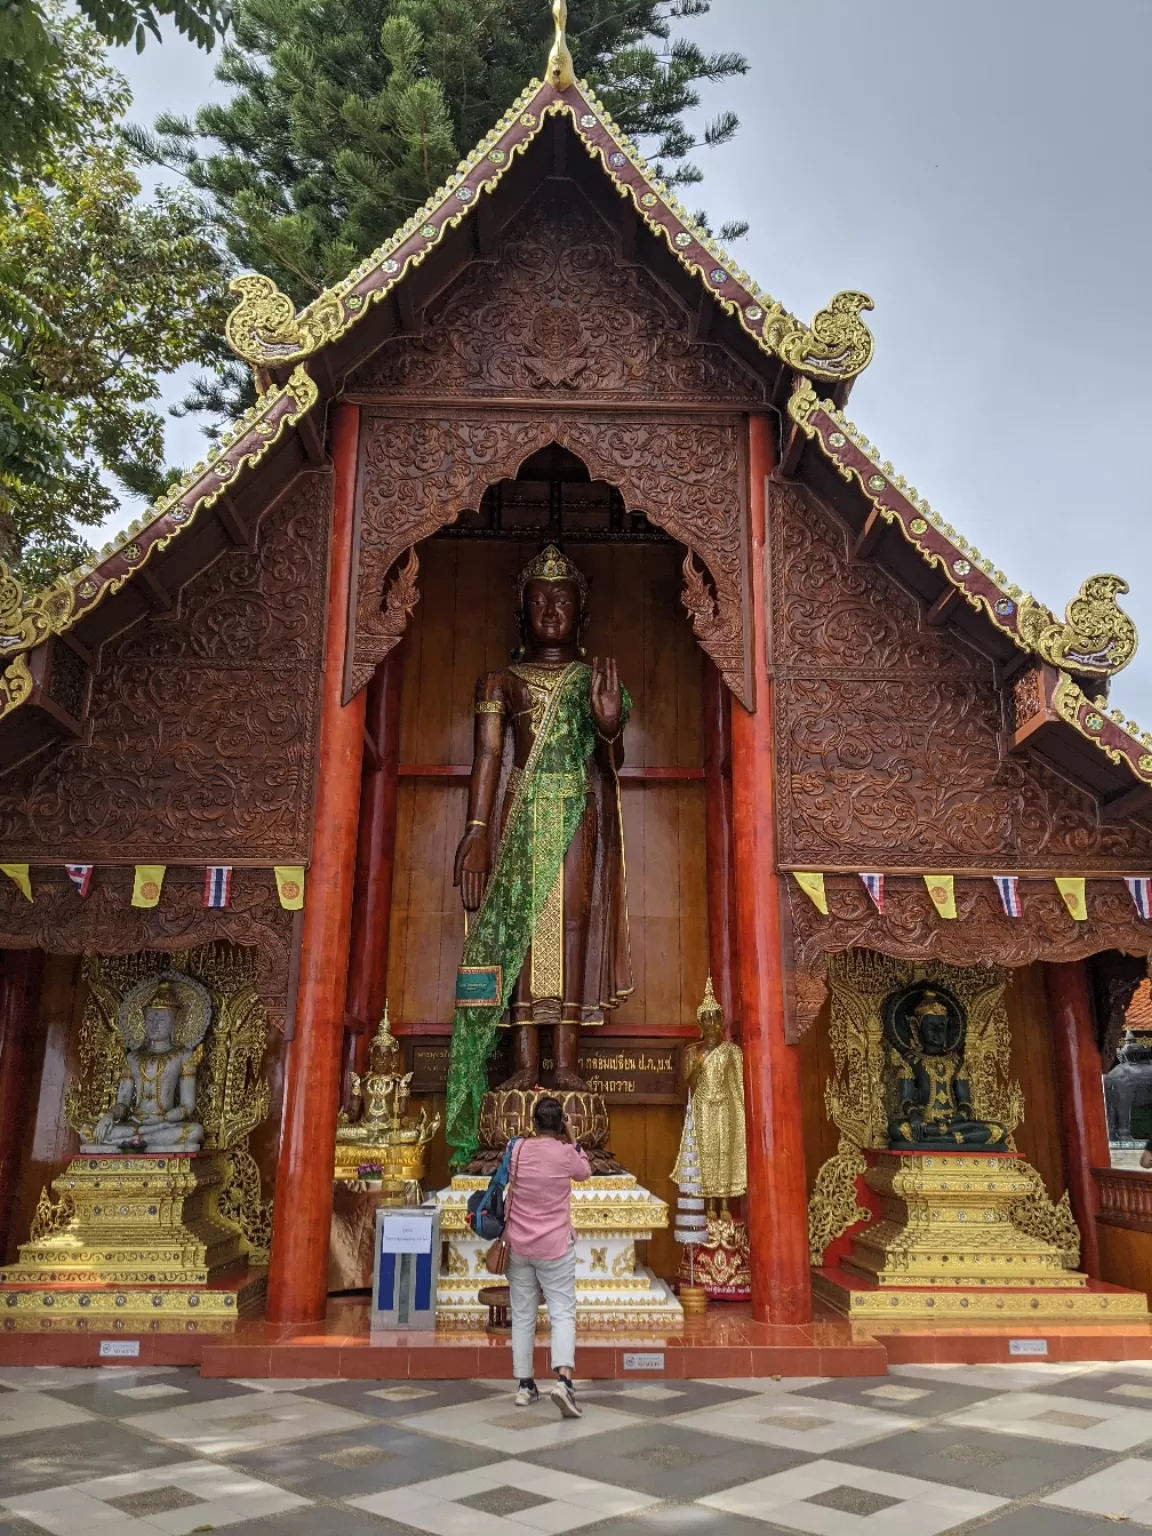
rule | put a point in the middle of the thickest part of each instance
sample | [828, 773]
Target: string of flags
[942, 890]
[148, 883]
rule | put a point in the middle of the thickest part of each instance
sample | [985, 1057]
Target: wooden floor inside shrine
[725, 1342]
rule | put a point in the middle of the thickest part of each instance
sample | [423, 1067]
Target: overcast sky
[982, 170]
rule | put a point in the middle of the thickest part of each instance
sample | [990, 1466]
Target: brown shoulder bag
[496, 1259]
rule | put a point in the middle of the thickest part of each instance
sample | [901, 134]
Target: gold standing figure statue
[714, 1073]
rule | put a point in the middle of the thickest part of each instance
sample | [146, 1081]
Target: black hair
[548, 1114]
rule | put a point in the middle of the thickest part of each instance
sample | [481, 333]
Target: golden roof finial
[560, 73]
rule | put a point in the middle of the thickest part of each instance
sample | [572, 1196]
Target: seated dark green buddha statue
[933, 1090]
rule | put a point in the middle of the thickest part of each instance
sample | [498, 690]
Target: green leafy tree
[35, 102]
[101, 294]
[345, 115]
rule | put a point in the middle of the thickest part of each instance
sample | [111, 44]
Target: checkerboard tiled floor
[1013, 1450]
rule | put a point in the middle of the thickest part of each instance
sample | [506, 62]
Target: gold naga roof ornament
[1096, 639]
[265, 329]
[560, 72]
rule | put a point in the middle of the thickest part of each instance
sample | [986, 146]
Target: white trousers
[557, 1279]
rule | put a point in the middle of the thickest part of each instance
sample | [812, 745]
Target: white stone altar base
[610, 1215]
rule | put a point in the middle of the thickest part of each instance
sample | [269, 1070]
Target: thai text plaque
[622, 1071]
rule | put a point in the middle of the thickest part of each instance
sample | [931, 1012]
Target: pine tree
[347, 114]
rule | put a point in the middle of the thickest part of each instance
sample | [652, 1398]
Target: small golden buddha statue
[933, 1090]
[376, 1130]
[714, 1073]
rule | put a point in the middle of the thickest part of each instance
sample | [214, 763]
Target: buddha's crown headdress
[165, 996]
[709, 1008]
[384, 1044]
[552, 565]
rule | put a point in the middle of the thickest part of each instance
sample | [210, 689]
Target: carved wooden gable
[540, 346]
[557, 315]
[203, 718]
[888, 743]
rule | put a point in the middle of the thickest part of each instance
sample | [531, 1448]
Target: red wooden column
[298, 1278]
[718, 842]
[1083, 1122]
[777, 1206]
[375, 856]
[20, 971]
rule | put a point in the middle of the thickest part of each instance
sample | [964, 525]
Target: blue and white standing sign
[407, 1263]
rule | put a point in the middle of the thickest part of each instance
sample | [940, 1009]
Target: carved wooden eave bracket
[265, 330]
[28, 621]
[1096, 638]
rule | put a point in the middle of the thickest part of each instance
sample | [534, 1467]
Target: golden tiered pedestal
[131, 1235]
[947, 1222]
[610, 1214]
[947, 1245]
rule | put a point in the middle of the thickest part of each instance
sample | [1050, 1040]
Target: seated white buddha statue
[155, 1105]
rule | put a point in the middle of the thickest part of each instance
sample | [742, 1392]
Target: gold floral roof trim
[1096, 639]
[265, 330]
[28, 620]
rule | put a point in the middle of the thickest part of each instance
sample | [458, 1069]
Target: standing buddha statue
[713, 1071]
[541, 874]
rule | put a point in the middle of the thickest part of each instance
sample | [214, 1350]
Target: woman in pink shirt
[542, 1250]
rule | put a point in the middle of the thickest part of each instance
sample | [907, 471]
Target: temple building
[840, 765]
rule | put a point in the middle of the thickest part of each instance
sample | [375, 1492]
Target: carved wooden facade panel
[889, 734]
[889, 754]
[203, 718]
[419, 470]
[557, 316]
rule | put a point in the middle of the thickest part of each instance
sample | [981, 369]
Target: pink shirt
[540, 1226]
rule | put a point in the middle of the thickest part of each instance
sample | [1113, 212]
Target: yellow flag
[942, 889]
[146, 886]
[18, 874]
[290, 884]
[813, 886]
[1071, 887]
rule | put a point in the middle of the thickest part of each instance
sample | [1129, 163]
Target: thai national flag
[1141, 889]
[1009, 888]
[218, 885]
[80, 876]
[875, 887]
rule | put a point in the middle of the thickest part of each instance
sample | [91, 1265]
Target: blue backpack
[486, 1206]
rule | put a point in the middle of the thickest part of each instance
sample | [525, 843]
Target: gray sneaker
[563, 1394]
[527, 1395]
